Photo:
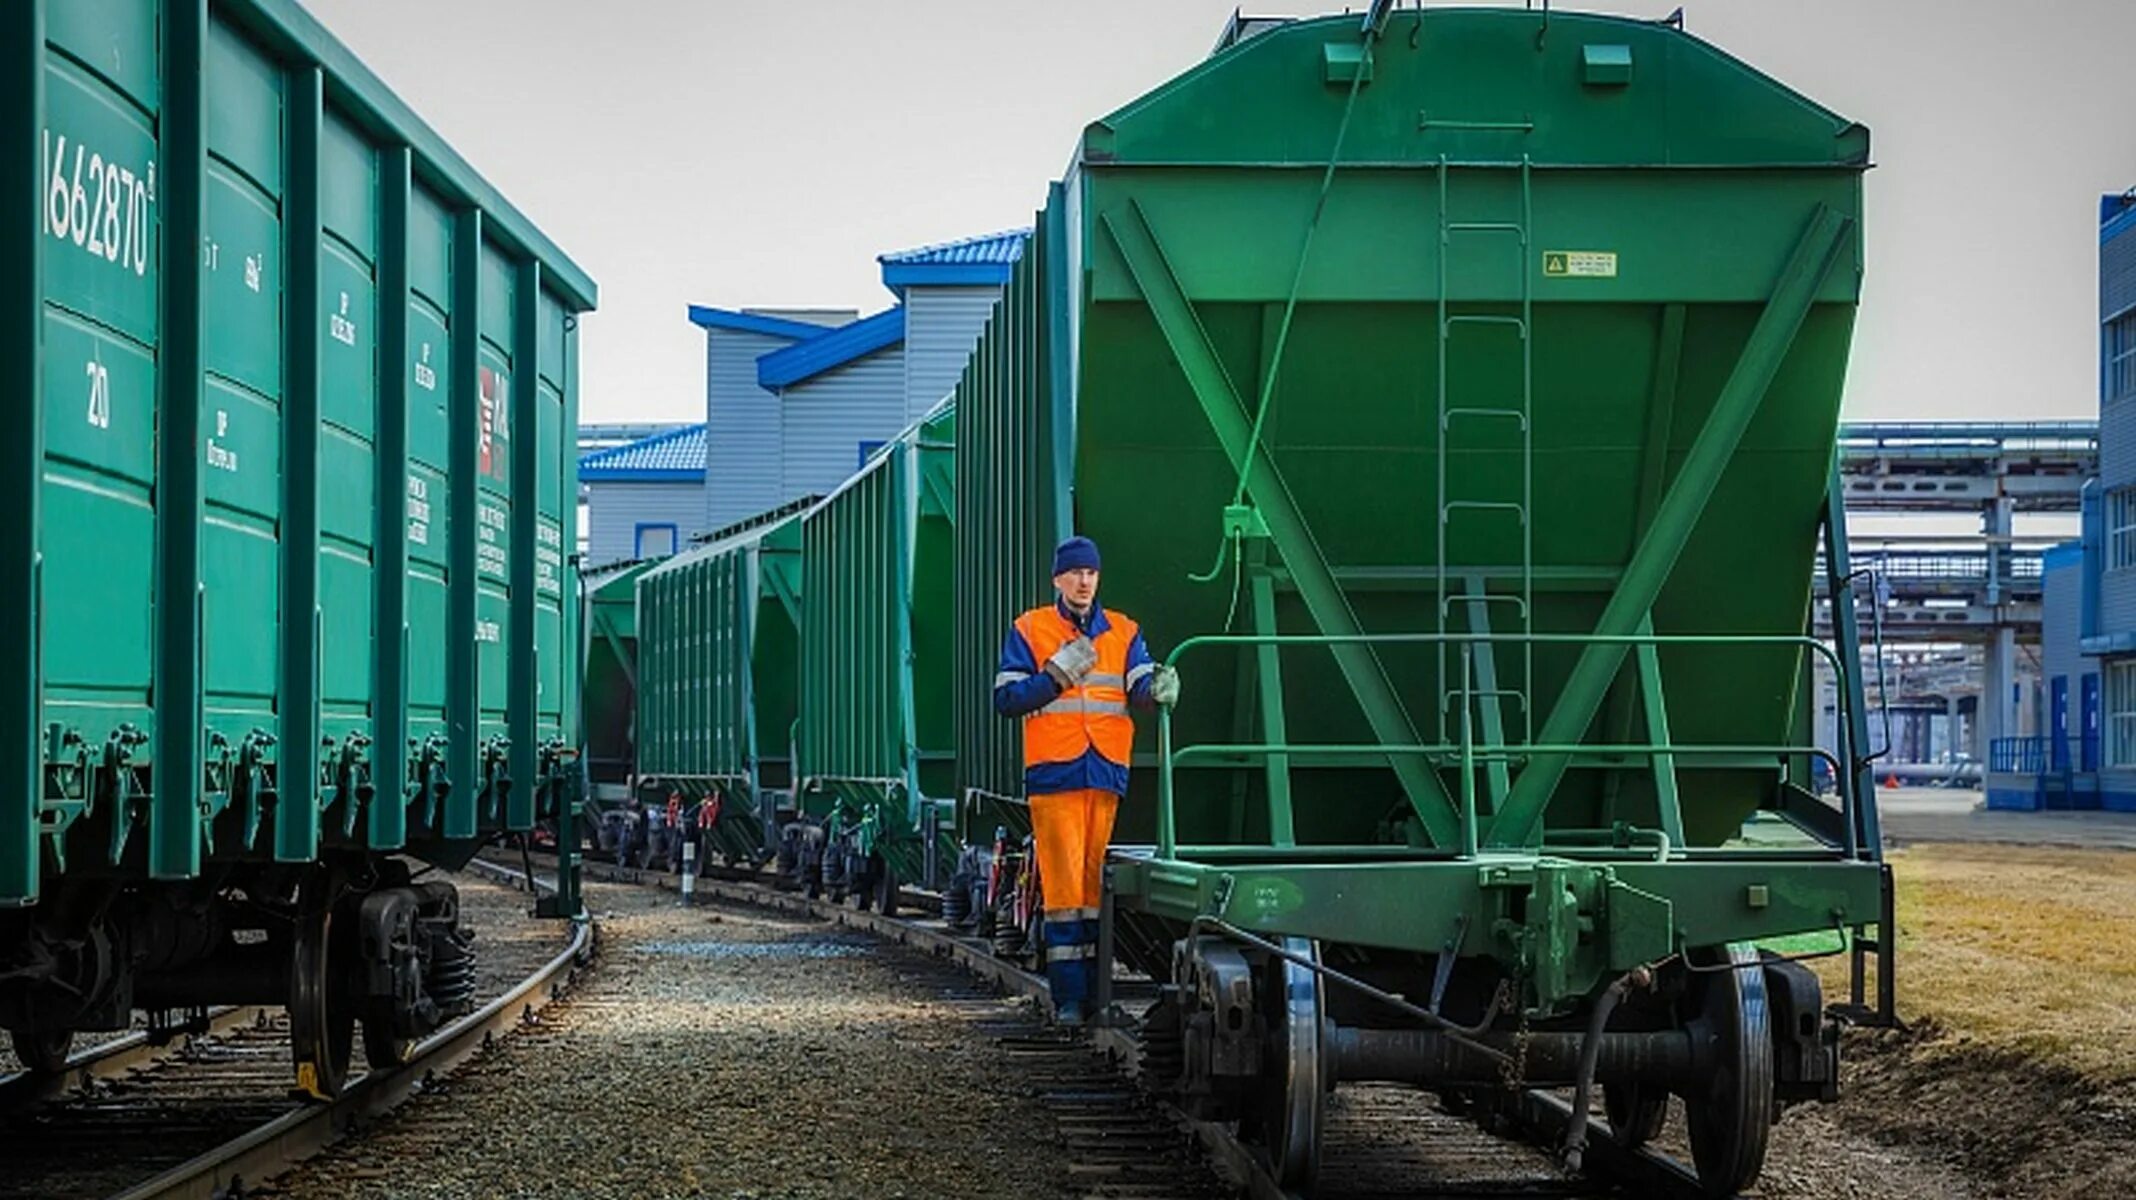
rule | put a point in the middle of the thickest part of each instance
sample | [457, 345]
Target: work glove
[1072, 662]
[1164, 686]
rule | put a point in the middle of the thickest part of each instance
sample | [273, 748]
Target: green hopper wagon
[720, 636]
[286, 543]
[609, 617]
[875, 759]
[1454, 395]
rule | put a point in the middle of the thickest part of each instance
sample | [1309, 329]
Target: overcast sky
[729, 153]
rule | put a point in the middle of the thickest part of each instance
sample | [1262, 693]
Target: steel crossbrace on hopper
[1668, 518]
[1315, 580]
[1674, 519]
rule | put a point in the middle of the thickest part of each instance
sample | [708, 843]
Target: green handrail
[1467, 748]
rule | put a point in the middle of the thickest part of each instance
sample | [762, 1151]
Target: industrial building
[1948, 523]
[643, 498]
[2085, 754]
[795, 401]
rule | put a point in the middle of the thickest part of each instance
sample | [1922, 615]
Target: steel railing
[1468, 752]
[2040, 754]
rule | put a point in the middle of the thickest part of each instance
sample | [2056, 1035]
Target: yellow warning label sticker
[1580, 264]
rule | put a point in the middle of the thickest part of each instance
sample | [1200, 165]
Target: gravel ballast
[724, 1051]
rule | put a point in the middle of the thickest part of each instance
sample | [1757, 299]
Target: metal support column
[1655, 706]
[568, 901]
[297, 818]
[389, 576]
[174, 846]
[1282, 828]
[22, 475]
[463, 720]
[1998, 716]
[522, 670]
[1865, 836]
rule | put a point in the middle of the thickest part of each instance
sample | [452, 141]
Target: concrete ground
[1957, 815]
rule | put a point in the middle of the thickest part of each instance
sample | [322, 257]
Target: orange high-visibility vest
[1091, 715]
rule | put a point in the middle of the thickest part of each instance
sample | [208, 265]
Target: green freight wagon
[720, 636]
[1454, 395]
[286, 538]
[609, 617]
[876, 764]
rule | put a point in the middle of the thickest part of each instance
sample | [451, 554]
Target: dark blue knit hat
[1076, 552]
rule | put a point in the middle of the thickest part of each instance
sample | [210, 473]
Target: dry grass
[2026, 951]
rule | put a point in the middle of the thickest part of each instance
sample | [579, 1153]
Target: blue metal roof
[972, 261]
[1003, 248]
[803, 360]
[675, 456]
[2116, 214]
[748, 322]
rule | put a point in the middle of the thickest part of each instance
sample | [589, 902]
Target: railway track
[208, 1117]
[114, 1058]
[1383, 1142]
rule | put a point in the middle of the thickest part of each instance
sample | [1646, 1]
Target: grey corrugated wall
[2117, 274]
[942, 325]
[827, 416]
[614, 511]
[2117, 443]
[741, 429]
[2060, 625]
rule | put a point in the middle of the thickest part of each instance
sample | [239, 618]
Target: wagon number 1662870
[98, 204]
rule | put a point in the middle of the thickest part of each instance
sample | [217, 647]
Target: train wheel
[1731, 1118]
[322, 1031]
[42, 1053]
[1636, 1112]
[1294, 1110]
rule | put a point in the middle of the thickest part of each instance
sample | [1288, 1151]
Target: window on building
[2121, 713]
[654, 541]
[867, 448]
[2121, 528]
[2121, 356]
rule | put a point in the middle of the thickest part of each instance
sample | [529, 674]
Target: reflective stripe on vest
[1082, 704]
[1091, 715]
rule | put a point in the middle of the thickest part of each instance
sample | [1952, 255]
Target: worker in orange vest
[1071, 670]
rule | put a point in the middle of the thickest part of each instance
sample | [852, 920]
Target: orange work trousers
[1073, 830]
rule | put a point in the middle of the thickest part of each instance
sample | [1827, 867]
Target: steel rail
[230, 1169]
[109, 1060]
[1540, 1116]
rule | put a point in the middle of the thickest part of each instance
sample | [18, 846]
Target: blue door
[2088, 721]
[2058, 723]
